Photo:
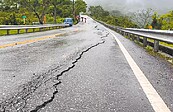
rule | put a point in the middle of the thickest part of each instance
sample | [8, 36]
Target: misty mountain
[116, 13]
[126, 6]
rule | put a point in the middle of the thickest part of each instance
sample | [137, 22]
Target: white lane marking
[154, 98]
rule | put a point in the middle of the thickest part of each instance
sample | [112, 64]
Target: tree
[35, 10]
[116, 13]
[156, 21]
[142, 17]
[99, 13]
[8, 5]
[167, 21]
[56, 3]
[80, 6]
[60, 8]
[38, 7]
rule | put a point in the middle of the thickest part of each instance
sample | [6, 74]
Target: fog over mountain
[161, 6]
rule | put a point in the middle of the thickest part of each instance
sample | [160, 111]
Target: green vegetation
[163, 22]
[140, 19]
[150, 50]
[159, 54]
[40, 11]
[97, 12]
[162, 43]
[13, 32]
[150, 19]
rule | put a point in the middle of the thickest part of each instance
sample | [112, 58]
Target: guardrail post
[133, 38]
[156, 45]
[118, 31]
[18, 31]
[128, 35]
[144, 41]
[124, 33]
[33, 30]
[138, 39]
[26, 30]
[8, 31]
[121, 32]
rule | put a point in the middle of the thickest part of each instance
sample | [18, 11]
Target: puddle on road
[64, 34]
[69, 33]
[59, 43]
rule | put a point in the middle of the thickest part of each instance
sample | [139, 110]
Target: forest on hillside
[141, 19]
[13, 12]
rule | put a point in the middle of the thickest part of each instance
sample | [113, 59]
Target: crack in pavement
[19, 101]
[20, 98]
[69, 68]
[48, 101]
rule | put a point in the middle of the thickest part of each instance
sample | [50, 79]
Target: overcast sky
[161, 6]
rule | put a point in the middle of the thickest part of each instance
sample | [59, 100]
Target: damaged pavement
[78, 69]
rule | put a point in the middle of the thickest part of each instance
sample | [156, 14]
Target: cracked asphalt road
[81, 70]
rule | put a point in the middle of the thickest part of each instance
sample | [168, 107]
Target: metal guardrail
[136, 34]
[161, 32]
[162, 38]
[26, 28]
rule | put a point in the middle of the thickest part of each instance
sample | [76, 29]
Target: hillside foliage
[97, 12]
[51, 11]
[140, 19]
[163, 22]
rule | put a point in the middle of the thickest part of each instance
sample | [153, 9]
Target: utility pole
[73, 9]
[55, 10]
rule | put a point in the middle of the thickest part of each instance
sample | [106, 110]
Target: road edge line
[154, 98]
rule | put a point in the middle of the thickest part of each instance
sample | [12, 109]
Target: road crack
[18, 101]
[69, 68]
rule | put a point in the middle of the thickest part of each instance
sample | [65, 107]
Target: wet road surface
[83, 69]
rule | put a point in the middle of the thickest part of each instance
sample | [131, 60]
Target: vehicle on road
[68, 21]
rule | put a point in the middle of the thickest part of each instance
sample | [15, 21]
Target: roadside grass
[162, 43]
[162, 55]
[150, 50]
[3, 32]
[159, 54]
[14, 32]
